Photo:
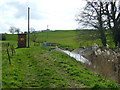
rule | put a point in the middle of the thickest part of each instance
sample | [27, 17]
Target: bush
[3, 37]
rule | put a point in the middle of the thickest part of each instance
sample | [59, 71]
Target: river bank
[98, 59]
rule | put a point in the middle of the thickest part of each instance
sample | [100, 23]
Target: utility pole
[47, 32]
[47, 27]
[28, 26]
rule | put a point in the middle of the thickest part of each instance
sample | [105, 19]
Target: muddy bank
[105, 61]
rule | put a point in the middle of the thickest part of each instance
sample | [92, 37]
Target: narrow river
[78, 57]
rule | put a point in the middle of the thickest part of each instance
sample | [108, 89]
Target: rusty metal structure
[21, 40]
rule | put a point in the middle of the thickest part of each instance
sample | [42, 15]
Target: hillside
[69, 38]
[38, 67]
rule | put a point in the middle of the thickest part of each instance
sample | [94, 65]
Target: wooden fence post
[8, 56]
[12, 49]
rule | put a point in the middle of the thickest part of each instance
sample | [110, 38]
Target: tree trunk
[102, 36]
[101, 29]
[116, 35]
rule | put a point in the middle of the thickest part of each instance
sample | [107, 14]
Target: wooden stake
[8, 56]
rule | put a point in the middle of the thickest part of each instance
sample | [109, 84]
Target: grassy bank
[38, 67]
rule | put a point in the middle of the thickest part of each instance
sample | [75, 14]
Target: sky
[57, 14]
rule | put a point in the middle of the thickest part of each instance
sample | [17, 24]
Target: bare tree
[12, 29]
[102, 14]
[17, 30]
[113, 13]
[93, 16]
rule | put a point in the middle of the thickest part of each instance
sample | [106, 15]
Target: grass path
[38, 67]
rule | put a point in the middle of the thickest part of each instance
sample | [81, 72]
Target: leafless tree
[93, 16]
[102, 14]
[12, 29]
[17, 30]
[112, 11]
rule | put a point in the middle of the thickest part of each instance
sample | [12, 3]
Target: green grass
[38, 67]
[69, 38]
[74, 39]
[64, 38]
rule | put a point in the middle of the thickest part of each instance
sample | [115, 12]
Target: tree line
[102, 15]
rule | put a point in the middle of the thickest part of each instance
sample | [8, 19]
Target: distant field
[70, 38]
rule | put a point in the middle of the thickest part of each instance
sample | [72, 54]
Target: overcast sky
[58, 14]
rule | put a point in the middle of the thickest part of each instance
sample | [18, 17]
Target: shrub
[3, 37]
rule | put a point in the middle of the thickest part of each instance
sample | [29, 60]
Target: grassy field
[69, 38]
[38, 67]
[74, 38]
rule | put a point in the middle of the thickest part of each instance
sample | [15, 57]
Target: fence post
[11, 49]
[8, 56]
